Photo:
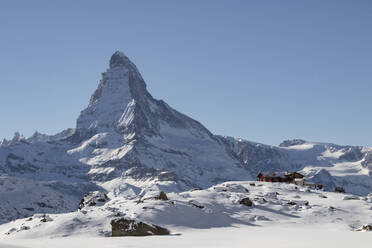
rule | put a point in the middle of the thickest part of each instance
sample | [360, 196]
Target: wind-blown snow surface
[275, 207]
[128, 144]
[282, 237]
[234, 237]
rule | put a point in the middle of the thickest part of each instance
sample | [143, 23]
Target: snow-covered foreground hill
[273, 204]
[213, 217]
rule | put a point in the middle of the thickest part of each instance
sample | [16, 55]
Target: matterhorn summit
[149, 138]
[121, 85]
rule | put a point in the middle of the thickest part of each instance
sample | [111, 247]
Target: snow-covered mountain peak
[119, 59]
[124, 131]
[119, 89]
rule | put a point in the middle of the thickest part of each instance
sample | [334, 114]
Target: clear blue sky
[261, 70]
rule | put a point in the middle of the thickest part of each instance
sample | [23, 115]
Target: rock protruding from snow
[367, 227]
[339, 190]
[162, 196]
[127, 227]
[196, 204]
[246, 201]
[92, 199]
[350, 197]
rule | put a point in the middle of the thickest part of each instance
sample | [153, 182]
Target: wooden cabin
[288, 177]
[285, 178]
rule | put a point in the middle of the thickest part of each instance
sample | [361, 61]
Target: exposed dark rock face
[196, 204]
[352, 153]
[367, 227]
[257, 157]
[18, 164]
[246, 201]
[45, 218]
[339, 190]
[300, 203]
[367, 161]
[162, 196]
[126, 227]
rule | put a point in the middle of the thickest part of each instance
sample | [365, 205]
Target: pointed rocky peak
[18, 137]
[119, 90]
[15, 140]
[118, 59]
[38, 137]
[122, 104]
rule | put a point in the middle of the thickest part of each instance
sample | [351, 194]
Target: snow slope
[275, 205]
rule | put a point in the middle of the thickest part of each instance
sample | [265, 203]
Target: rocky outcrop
[162, 196]
[127, 227]
[94, 198]
[339, 190]
[300, 203]
[246, 201]
[254, 157]
[365, 228]
[353, 153]
[196, 204]
[367, 161]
